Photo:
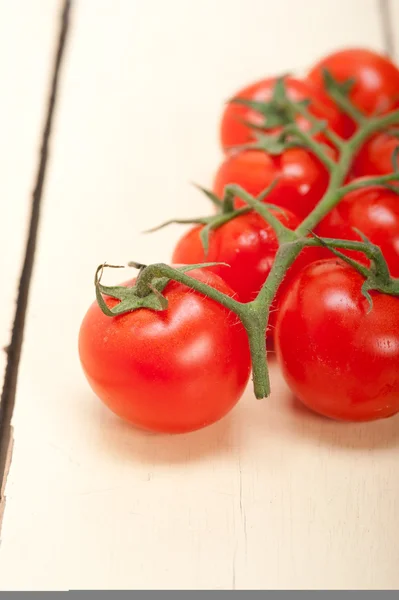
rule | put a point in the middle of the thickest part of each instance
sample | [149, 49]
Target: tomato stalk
[284, 234]
[227, 212]
[309, 142]
[160, 270]
[339, 171]
[339, 94]
[255, 314]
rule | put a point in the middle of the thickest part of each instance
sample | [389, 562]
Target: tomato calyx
[146, 292]
[277, 112]
[280, 112]
[335, 87]
[129, 298]
[377, 276]
[290, 135]
[339, 93]
[274, 144]
[283, 233]
[226, 212]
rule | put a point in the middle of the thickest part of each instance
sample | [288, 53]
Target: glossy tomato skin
[375, 157]
[246, 243]
[302, 179]
[234, 131]
[171, 371]
[376, 86]
[375, 212]
[340, 359]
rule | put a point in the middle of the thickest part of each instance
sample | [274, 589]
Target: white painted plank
[271, 497]
[393, 15]
[27, 31]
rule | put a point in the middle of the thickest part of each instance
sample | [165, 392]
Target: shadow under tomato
[124, 440]
[373, 435]
[280, 420]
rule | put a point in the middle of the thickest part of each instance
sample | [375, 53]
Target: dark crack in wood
[7, 401]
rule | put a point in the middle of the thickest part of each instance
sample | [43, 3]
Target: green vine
[254, 315]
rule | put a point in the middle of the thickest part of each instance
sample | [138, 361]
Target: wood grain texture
[26, 46]
[392, 26]
[270, 497]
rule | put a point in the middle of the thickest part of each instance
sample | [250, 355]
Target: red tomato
[375, 158]
[375, 212]
[171, 371]
[248, 244]
[376, 88]
[339, 359]
[302, 178]
[235, 132]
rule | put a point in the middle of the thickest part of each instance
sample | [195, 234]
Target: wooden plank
[390, 11]
[26, 43]
[270, 497]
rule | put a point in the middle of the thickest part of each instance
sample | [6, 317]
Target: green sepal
[210, 195]
[129, 297]
[377, 277]
[343, 88]
[272, 144]
[278, 111]
[226, 213]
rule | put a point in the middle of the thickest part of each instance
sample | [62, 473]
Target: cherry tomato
[376, 156]
[234, 131]
[340, 358]
[375, 212]
[302, 179]
[376, 88]
[171, 371]
[248, 245]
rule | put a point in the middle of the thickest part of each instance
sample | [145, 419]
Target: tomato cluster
[185, 367]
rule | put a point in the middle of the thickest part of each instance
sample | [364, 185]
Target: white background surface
[270, 497]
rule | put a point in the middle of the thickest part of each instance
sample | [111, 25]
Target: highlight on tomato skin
[234, 130]
[171, 371]
[376, 155]
[183, 368]
[302, 179]
[339, 358]
[375, 212]
[376, 78]
[246, 243]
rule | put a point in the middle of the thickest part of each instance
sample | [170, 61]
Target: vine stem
[254, 320]
[283, 233]
[367, 182]
[347, 107]
[316, 148]
[254, 315]
[340, 170]
[151, 272]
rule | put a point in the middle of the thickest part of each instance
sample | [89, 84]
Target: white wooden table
[270, 497]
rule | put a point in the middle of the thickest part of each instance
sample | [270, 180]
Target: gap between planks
[14, 349]
[385, 11]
